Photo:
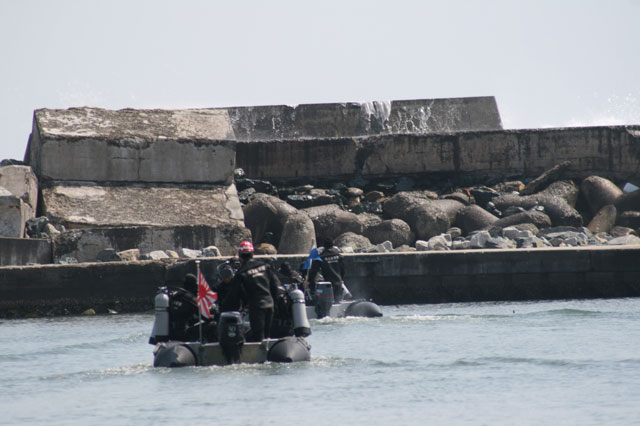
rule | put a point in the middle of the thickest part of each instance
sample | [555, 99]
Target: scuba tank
[301, 327]
[230, 335]
[324, 298]
[160, 331]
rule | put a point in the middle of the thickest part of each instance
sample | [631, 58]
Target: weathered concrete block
[335, 120]
[13, 214]
[444, 115]
[92, 144]
[21, 182]
[23, 251]
[89, 206]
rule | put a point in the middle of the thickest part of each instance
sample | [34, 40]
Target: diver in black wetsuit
[255, 286]
[183, 310]
[332, 268]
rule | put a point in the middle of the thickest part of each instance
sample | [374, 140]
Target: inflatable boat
[185, 354]
[223, 342]
[323, 305]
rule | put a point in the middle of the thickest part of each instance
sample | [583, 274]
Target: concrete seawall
[393, 278]
[612, 152]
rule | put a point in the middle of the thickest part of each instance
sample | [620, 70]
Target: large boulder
[564, 189]
[357, 243]
[315, 212]
[266, 214]
[415, 208]
[628, 202]
[473, 217]
[298, 234]
[545, 178]
[599, 192]
[539, 219]
[398, 205]
[427, 220]
[335, 222]
[560, 212]
[395, 230]
[604, 220]
[450, 206]
[368, 220]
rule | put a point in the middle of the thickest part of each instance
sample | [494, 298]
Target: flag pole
[199, 313]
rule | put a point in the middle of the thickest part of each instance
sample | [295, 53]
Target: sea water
[574, 362]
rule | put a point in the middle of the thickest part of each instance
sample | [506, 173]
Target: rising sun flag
[206, 297]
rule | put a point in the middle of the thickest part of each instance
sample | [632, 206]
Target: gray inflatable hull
[358, 308]
[185, 354]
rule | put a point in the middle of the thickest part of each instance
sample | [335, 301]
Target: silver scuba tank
[160, 331]
[301, 327]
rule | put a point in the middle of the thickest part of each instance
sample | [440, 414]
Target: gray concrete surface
[394, 278]
[97, 145]
[135, 204]
[612, 152]
[419, 116]
[23, 251]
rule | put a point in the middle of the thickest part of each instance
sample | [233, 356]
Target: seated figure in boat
[183, 310]
[184, 315]
[331, 266]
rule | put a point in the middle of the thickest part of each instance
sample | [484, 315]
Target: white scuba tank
[160, 331]
[301, 325]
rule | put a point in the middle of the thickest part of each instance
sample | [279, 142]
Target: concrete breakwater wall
[469, 156]
[163, 179]
[393, 278]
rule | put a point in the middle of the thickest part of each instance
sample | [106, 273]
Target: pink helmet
[245, 247]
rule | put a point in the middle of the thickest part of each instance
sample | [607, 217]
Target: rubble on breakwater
[396, 215]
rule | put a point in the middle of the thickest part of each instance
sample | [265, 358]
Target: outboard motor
[301, 327]
[324, 298]
[230, 335]
[160, 331]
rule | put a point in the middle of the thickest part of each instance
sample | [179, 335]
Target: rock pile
[406, 215]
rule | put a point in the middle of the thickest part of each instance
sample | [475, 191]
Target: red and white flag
[206, 297]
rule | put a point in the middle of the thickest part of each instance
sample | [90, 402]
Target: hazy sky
[548, 63]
